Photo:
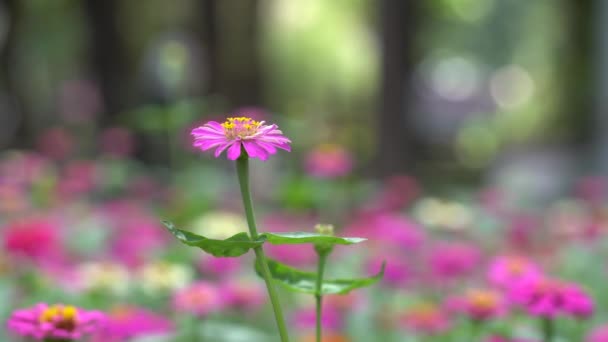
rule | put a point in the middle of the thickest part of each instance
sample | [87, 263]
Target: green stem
[548, 329]
[242, 168]
[319, 293]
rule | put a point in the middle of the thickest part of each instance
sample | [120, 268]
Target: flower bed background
[465, 139]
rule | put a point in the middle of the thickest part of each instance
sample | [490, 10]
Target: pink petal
[234, 151]
[221, 149]
[254, 150]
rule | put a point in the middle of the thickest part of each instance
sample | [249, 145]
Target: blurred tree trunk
[600, 120]
[13, 121]
[579, 70]
[207, 28]
[237, 48]
[108, 56]
[396, 148]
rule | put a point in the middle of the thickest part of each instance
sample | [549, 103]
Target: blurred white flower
[163, 277]
[103, 276]
[219, 224]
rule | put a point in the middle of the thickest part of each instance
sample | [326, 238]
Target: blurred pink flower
[397, 192]
[328, 161]
[55, 322]
[258, 140]
[127, 322]
[479, 304]
[507, 271]
[117, 142]
[388, 229]
[426, 318]
[449, 260]
[331, 319]
[219, 267]
[548, 298]
[128, 219]
[23, 168]
[200, 299]
[78, 178]
[55, 143]
[593, 189]
[35, 239]
[243, 296]
[496, 338]
[598, 334]
[296, 255]
[396, 273]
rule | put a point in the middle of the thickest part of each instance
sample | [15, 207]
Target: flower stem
[319, 293]
[242, 168]
[548, 329]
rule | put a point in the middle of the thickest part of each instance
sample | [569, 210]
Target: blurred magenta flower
[218, 266]
[426, 318]
[507, 271]
[296, 255]
[496, 338]
[592, 189]
[598, 334]
[241, 296]
[396, 192]
[546, 297]
[388, 229]
[328, 161]
[78, 178]
[480, 304]
[449, 260]
[117, 142]
[36, 239]
[397, 271]
[331, 319]
[56, 143]
[258, 139]
[126, 322]
[200, 299]
[55, 322]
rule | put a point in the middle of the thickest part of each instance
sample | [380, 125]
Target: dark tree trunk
[600, 110]
[208, 28]
[13, 120]
[396, 150]
[237, 46]
[108, 56]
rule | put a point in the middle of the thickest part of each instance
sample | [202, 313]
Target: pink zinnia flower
[328, 161]
[126, 322]
[599, 334]
[481, 304]
[426, 318]
[496, 338]
[397, 271]
[450, 260]
[33, 239]
[331, 318]
[508, 271]
[218, 267]
[243, 296]
[258, 139]
[55, 322]
[200, 299]
[548, 298]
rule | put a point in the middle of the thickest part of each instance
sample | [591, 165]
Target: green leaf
[233, 246]
[305, 282]
[306, 237]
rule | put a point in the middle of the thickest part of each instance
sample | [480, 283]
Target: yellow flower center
[484, 300]
[516, 266]
[240, 128]
[62, 317]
